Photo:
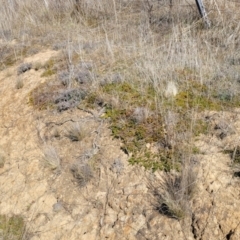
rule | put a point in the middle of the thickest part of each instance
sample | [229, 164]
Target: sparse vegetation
[64, 77]
[151, 67]
[64, 90]
[133, 85]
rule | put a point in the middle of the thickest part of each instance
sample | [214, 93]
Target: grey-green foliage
[24, 68]
[69, 98]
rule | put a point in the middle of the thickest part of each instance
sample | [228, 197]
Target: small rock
[57, 207]
[171, 90]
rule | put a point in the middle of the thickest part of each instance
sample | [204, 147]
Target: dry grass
[174, 191]
[82, 172]
[169, 69]
[76, 131]
[51, 157]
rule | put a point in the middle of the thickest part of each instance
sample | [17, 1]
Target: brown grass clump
[173, 192]
[83, 173]
[51, 157]
[76, 132]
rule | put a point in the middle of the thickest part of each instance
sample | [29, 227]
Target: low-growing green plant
[196, 150]
[163, 160]
[137, 121]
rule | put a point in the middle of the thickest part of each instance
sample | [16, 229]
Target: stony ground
[116, 201]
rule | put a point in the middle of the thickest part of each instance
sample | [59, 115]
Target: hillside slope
[117, 123]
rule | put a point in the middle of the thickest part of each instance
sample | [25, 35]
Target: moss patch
[12, 227]
[199, 97]
[195, 96]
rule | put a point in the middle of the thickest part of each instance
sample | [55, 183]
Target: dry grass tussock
[172, 192]
[51, 157]
[76, 131]
[138, 51]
